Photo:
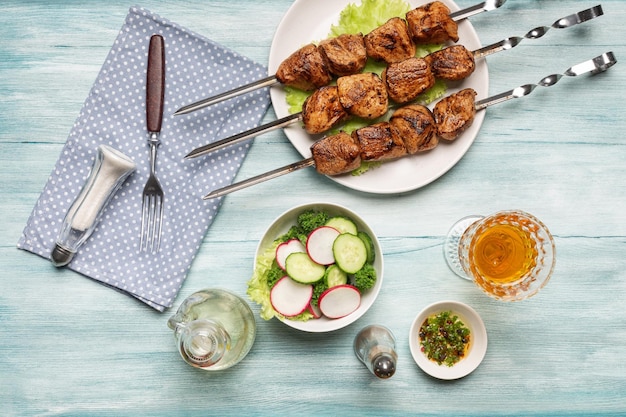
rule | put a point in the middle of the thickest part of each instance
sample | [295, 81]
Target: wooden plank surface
[70, 346]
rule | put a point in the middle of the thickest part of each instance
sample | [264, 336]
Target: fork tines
[151, 223]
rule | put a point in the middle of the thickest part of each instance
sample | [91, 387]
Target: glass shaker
[215, 329]
[110, 169]
[375, 346]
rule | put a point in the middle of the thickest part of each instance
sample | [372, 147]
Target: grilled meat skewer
[363, 95]
[444, 63]
[305, 69]
[410, 130]
[432, 23]
[337, 153]
[417, 127]
[313, 66]
[406, 80]
[345, 54]
[390, 42]
[323, 109]
[379, 142]
[453, 63]
[593, 66]
[334, 67]
[455, 113]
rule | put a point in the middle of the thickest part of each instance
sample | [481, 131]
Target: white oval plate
[308, 21]
[478, 341]
[282, 224]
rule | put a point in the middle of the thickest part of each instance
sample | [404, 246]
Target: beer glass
[510, 254]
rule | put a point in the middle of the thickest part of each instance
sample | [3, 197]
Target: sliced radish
[319, 245]
[287, 248]
[289, 297]
[339, 301]
[315, 310]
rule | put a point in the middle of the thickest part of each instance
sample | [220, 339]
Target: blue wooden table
[70, 346]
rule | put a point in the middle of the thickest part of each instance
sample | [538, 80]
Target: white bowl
[282, 224]
[478, 341]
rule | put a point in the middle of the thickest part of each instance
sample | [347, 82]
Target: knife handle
[155, 84]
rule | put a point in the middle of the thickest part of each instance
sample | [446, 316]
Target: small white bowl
[478, 341]
[282, 224]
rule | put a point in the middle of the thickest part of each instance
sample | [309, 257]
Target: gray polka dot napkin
[114, 114]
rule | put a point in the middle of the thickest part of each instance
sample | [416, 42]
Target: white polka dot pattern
[114, 114]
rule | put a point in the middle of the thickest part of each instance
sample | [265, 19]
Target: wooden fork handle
[155, 84]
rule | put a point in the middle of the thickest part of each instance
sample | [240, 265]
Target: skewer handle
[263, 82]
[287, 169]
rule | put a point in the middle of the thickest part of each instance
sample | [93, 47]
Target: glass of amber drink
[510, 254]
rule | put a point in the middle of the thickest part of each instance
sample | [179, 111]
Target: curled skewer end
[494, 4]
[594, 66]
[604, 62]
[580, 17]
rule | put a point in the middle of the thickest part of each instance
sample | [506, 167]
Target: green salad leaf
[368, 16]
[295, 99]
[258, 290]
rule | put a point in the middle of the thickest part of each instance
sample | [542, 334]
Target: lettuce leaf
[368, 16]
[259, 290]
[295, 99]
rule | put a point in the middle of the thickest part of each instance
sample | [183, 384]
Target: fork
[152, 196]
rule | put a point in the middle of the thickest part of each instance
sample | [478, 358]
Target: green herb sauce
[444, 338]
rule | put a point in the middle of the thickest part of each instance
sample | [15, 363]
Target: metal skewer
[538, 32]
[485, 6]
[503, 45]
[593, 66]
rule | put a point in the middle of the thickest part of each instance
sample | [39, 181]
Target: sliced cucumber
[369, 246]
[301, 268]
[343, 224]
[335, 276]
[350, 252]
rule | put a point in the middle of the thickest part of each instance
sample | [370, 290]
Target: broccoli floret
[365, 278]
[318, 288]
[294, 232]
[274, 274]
[312, 219]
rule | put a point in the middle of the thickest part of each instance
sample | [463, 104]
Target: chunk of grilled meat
[407, 79]
[415, 124]
[378, 142]
[431, 23]
[452, 63]
[345, 54]
[336, 154]
[390, 42]
[305, 69]
[455, 113]
[363, 95]
[322, 110]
